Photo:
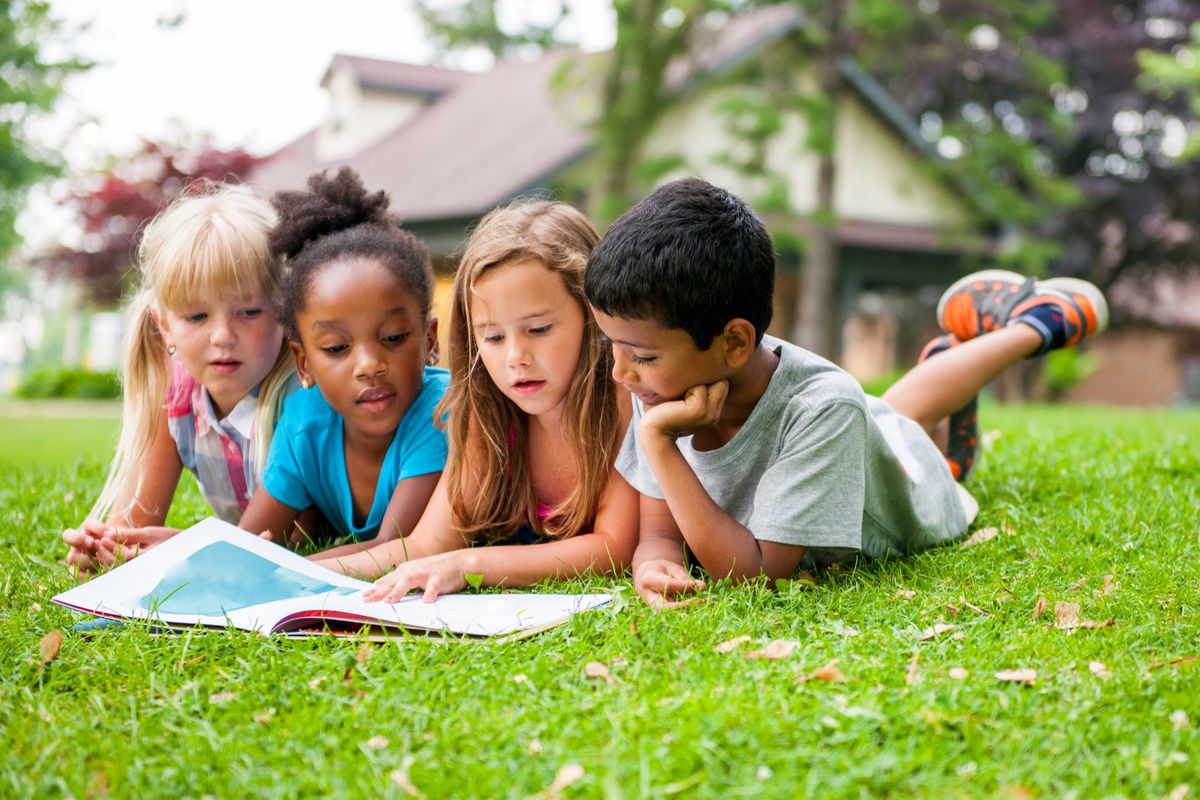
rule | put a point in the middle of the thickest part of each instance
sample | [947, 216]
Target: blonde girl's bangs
[215, 246]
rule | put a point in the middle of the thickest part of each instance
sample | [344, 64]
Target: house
[450, 145]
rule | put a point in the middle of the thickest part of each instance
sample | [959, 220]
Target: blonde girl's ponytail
[144, 379]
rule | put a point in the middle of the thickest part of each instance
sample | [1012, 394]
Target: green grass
[1087, 493]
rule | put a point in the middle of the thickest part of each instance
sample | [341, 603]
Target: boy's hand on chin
[700, 408]
[440, 574]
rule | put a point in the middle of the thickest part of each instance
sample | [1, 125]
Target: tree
[30, 83]
[112, 206]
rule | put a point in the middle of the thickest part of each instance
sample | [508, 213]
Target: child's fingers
[431, 591]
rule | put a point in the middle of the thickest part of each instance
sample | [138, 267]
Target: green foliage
[65, 382]
[1086, 494]
[1178, 72]
[1064, 369]
[30, 83]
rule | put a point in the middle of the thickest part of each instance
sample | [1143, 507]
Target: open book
[216, 575]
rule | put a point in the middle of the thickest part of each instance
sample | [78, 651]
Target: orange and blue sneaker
[963, 442]
[1062, 310]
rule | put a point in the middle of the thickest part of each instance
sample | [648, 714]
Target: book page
[215, 574]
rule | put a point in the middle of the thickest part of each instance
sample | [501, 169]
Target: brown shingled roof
[496, 134]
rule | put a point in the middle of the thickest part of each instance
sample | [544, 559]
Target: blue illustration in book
[220, 578]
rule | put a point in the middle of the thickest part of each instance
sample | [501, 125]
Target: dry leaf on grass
[953, 609]
[910, 675]
[50, 645]
[731, 644]
[567, 774]
[907, 594]
[936, 630]
[973, 607]
[980, 536]
[1174, 662]
[1017, 675]
[1099, 669]
[317, 681]
[221, 697]
[1039, 609]
[364, 653]
[779, 648]
[1179, 720]
[828, 673]
[1179, 792]
[1067, 618]
[264, 717]
[520, 677]
[400, 778]
[595, 669]
[377, 743]
[1110, 585]
[958, 673]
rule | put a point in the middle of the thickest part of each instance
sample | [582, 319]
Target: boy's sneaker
[963, 442]
[1062, 310]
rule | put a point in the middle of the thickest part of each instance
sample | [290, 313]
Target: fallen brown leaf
[980, 536]
[731, 644]
[1015, 792]
[377, 743]
[910, 675]
[779, 648]
[400, 778]
[936, 630]
[98, 785]
[1017, 675]
[1066, 615]
[520, 677]
[1179, 720]
[973, 607]
[828, 673]
[364, 653]
[1179, 792]
[907, 594]
[264, 717]
[567, 774]
[1174, 662]
[595, 669]
[50, 645]
[1110, 585]
[1099, 669]
[221, 697]
[954, 610]
[1039, 608]
[958, 673]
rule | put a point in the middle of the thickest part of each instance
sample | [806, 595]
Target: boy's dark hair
[336, 218]
[691, 256]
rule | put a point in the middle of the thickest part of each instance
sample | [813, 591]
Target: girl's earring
[171, 349]
[306, 383]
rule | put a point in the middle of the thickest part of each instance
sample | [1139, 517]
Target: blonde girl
[534, 423]
[204, 371]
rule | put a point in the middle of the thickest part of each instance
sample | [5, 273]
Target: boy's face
[656, 363]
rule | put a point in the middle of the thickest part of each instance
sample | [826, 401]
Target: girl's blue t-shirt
[307, 462]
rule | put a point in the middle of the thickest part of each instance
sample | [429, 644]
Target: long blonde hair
[207, 244]
[561, 238]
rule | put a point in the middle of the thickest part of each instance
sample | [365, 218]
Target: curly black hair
[336, 218]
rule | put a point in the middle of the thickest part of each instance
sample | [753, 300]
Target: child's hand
[658, 581]
[700, 408]
[88, 548]
[440, 574]
[127, 543]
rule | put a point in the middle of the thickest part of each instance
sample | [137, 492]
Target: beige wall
[365, 116]
[879, 178]
[1137, 366]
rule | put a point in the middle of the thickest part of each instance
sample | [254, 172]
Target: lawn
[1093, 507]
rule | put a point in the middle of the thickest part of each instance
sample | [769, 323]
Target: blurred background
[890, 146]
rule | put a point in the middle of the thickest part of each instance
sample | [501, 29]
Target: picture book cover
[217, 575]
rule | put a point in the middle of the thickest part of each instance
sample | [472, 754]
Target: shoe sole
[1073, 286]
[975, 277]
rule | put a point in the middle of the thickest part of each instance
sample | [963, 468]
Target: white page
[217, 574]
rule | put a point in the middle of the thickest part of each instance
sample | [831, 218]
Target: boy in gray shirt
[757, 455]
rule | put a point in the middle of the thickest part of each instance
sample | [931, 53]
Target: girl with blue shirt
[358, 442]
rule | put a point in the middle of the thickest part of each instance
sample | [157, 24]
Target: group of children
[610, 401]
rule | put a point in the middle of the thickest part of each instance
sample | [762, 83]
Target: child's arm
[403, 512]
[660, 573]
[722, 545]
[134, 524]
[605, 550]
[434, 533]
[268, 517]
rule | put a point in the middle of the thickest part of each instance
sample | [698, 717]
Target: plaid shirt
[218, 452]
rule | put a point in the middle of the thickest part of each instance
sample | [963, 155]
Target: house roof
[486, 137]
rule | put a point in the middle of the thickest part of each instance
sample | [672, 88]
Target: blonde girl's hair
[211, 242]
[561, 238]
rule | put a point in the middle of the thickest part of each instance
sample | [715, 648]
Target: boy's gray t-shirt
[820, 464]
